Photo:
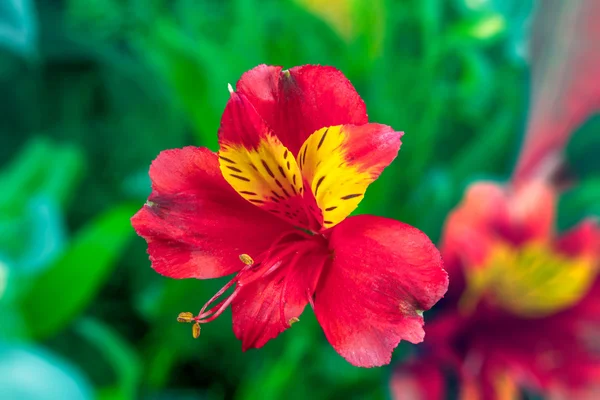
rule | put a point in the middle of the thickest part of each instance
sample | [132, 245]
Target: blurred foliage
[95, 89]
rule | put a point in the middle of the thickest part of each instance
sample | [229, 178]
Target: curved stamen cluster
[288, 247]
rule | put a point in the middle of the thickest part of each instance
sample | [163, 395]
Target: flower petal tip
[393, 283]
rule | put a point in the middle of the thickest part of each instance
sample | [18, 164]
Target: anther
[293, 320]
[230, 88]
[185, 317]
[246, 259]
[196, 330]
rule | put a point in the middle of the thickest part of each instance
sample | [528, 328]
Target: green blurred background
[93, 90]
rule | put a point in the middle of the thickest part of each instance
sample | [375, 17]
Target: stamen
[266, 264]
[210, 315]
[185, 317]
[196, 330]
[223, 305]
[219, 294]
[246, 259]
[268, 269]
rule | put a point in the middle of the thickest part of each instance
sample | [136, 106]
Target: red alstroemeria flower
[524, 312]
[296, 155]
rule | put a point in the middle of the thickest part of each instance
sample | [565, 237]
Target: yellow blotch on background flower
[531, 281]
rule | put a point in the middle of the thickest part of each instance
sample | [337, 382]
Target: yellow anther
[196, 330]
[185, 317]
[246, 259]
[293, 320]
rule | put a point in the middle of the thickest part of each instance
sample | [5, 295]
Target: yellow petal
[266, 176]
[340, 162]
[530, 281]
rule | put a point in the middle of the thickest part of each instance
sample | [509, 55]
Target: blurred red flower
[523, 306]
[296, 156]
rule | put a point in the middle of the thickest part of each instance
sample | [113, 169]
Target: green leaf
[193, 69]
[41, 236]
[18, 178]
[437, 194]
[487, 151]
[120, 355]
[280, 372]
[63, 290]
[583, 149]
[42, 167]
[580, 202]
[37, 185]
[483, 29]
[63, 173]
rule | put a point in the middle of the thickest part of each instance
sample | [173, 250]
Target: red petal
[532, 209]
[195, 224]
[241, 124]
[382, 275]
[372, 147]
[490, 213]
[469, 232]
[587, 392]
[566, 88]
[297, 102]
[257, 310]
[582, 240]
[418, 380]
[543, 351]
[487, 216]
[538, 352]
